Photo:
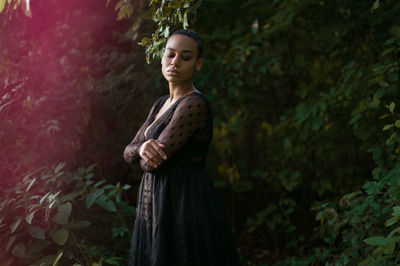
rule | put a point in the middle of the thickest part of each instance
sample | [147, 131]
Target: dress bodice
[185, 128]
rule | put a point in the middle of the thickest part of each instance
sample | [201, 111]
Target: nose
[176, 61]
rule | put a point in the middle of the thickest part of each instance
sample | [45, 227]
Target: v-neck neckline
[166, 111]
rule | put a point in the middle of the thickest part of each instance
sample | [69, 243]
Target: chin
[172, 79]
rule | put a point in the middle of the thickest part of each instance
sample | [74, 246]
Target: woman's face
[179, 61]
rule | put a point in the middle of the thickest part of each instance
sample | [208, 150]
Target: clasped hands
[152, 152]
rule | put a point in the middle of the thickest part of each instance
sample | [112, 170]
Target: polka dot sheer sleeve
[137, 140]
[189, 117]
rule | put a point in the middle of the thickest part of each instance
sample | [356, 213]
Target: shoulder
[194, 100]
[194, 104]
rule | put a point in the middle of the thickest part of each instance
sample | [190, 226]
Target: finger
[148, 148]
[162, 153]
[154, 156]
[159, 149]
[148, 160]
[162, 145]
[153, 153]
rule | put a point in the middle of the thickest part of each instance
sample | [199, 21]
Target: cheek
[192, 68]
[165, 60]
[164, 63]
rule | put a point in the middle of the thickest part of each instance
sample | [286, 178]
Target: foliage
[14, 4]
[9, 2]
[168, 15]
[306, 139]
[302, 91]
[50, 213]
[47, 214]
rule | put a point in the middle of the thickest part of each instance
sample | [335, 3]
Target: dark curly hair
[194, 36]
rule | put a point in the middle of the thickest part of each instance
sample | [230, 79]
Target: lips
[172, 72]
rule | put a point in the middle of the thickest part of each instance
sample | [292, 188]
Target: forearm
[147, 168]
[131, 153]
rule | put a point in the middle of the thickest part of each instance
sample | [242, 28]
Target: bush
[51, 217]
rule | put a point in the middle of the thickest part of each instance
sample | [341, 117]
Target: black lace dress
[180, 220]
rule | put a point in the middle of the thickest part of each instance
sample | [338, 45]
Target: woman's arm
[131, 153]
[190, 114]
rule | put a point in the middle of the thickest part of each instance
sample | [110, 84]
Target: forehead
[182, 43]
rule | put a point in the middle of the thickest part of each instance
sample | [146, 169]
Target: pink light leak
[54, 57]
[50, 65]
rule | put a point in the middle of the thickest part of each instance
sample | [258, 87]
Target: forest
[305, 153]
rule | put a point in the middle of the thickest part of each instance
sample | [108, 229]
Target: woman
[180, 219]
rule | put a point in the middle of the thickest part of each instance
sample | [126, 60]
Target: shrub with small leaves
[40, 220]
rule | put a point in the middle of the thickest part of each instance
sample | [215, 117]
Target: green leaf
[60, 236]
[106, 203]
[375, 5]
[38, 246]
[48, 260]
[384, 116]
[367, 261]
[352, 195]
[319, 215]
[36, 232]
[375, 240]
[114, 261]
[65, 208]
[353, 120]
[78, 224]
[89, 176]
[90, 200]
[15, 225]
[10, 242]
[387, 127]
[2, 4]
[185, 21]
[388, 249]
[70, 196]
[92, 197]
[394, 231]
[392, 106]
[396, 211]
[90, 168]
[99, 183]
[62, 216]
[29, 217]
[81, 170]
[126, 187]
[58, 259]
[392, 221]
[19, 250]
[397, 123]
[166, 32]
[242, 187]
[52, 199]
[30, 184]
[58, 167]
[43, 198]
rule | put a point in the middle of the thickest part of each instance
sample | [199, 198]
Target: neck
[177, 91]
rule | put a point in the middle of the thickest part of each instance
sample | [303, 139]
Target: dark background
[305, 148]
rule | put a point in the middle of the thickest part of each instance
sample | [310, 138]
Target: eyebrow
[189, 51]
